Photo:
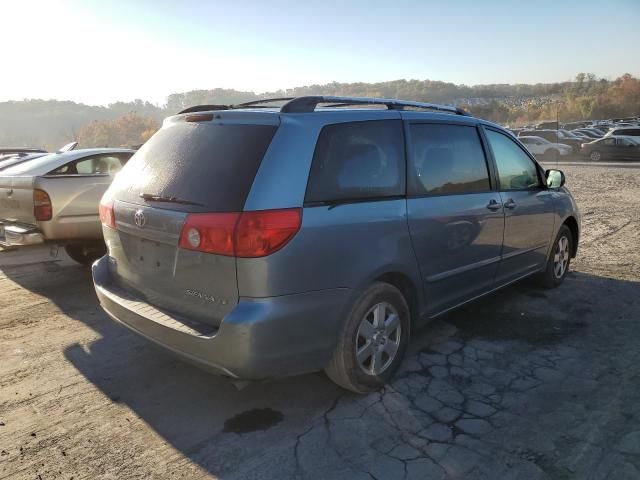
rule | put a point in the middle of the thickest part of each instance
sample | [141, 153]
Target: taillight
[107, 215]
[209, 232]
[246, 234]
[261, 233]
[42, 208]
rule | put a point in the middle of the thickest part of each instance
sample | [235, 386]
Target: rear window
[359, 160]
[207, 163]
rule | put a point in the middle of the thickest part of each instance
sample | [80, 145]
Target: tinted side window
[446, 159]
[358, 160]
[516, 170]
[628, 131]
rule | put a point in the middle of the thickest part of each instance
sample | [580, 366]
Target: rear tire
[373, 340]
[85, 253]
[559, 259]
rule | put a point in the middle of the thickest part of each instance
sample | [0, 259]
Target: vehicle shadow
[207, 418]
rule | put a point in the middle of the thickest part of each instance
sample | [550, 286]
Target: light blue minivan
[287, 236]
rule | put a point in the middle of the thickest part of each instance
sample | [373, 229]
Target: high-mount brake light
[200, 117]
[246, 234]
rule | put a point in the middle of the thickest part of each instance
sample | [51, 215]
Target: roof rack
[309, 104]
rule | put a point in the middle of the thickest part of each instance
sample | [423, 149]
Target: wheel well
[408, 289]
[575, 233]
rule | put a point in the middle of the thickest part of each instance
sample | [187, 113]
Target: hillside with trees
[52, 123]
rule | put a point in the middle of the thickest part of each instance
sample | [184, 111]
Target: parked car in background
[624, 131]
[544, 149]
[55, 199]
[581, 136]
[20, 151]
[547, 126]
[262, 242]
[554, 136]
[590, 132]
[612, 148]
[9, 160]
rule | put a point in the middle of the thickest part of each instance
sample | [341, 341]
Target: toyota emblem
[138, 217]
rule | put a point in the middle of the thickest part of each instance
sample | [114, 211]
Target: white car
[541, 147]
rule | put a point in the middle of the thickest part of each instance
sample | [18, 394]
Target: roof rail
[204, 108]
[309, 104]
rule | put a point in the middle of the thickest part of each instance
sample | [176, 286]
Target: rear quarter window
[358, 160]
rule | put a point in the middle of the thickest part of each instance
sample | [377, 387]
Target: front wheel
[373, 340]
[595, 156]
[559, 259]
[85, 253]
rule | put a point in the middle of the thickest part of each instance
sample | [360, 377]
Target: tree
[126, 131]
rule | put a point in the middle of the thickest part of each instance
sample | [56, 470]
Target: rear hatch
[16, 200]
[203, 165]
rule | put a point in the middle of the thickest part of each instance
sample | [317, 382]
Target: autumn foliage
[125, 131]
[587, 98]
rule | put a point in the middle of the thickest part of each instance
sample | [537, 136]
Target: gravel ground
[526, 384]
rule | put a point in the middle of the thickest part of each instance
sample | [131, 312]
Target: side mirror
[555, 178]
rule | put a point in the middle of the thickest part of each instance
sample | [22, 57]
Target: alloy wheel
[378, 338]
[561, 257]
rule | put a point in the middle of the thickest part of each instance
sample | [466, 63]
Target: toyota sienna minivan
[260, 241]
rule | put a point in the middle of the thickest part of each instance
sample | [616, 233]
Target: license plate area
[149, 257]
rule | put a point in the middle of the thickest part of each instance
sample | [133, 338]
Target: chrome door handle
[493, 205]
[510, 204]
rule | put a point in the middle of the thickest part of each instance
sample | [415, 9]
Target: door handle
[510, 204]
[493, 205]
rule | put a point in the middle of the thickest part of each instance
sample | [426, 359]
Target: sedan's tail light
[246, 234]
[107, 215]
[42, 208]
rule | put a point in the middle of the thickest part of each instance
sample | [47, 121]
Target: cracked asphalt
[525, 384]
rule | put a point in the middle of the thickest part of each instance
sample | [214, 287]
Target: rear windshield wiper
[159, 198]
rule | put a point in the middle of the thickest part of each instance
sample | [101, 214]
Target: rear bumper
[260, 338]
[17, 235]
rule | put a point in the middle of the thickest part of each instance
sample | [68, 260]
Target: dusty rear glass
[209, 164]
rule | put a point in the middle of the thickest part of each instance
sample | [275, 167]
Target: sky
[102, 51]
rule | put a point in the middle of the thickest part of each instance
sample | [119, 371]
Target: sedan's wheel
[595, 156]
[372, 343]
[559, 259]
[85, 254]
